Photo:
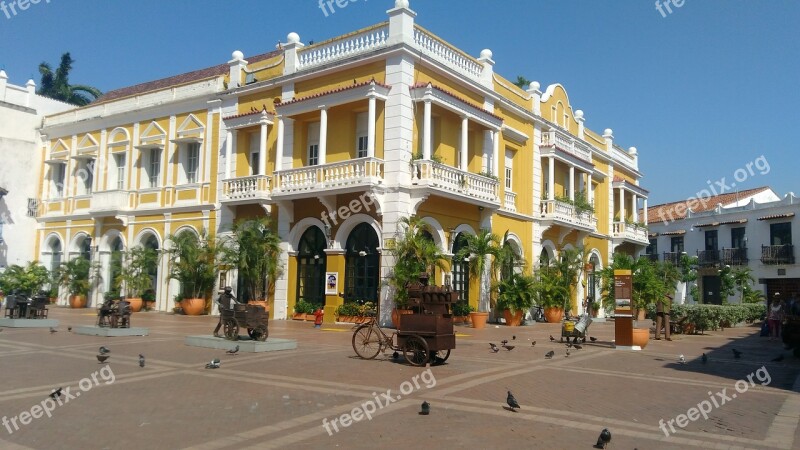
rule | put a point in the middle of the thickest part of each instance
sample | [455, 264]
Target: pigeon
[592, 338]
[514, 337]
[736, 353]
[779, 358]
[56, 393]
[53, 330]
[141, 360]
[577, 346]
[103, 358]
[512, 402]
[104, 350]
[509, 347]
[681, 359]
[704, 358]
[533, 344]
[69, 329]
[549, 355]
[569, 344]
[552, 339]
[504, 342]
[233, 352]
[603, 439]
[494, 347]
[567, 355]
[214, 364]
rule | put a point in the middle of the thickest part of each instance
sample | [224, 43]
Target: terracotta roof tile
[424, 84]
[188, 77]
[777, 216]
[677, 210]
[331, 91]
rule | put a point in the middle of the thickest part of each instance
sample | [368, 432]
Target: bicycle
[369, 340]
[537, 314]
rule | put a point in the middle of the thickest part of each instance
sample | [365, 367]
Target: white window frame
[120, 161]
[362, 140]
[58, 175]
[312, 154]
[509, 170]
[153, 172]
[85, 166]
[191, 163]
[254, 154]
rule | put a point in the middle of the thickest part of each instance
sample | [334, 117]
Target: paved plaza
[300, 398]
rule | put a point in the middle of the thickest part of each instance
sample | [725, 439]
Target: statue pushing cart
[235, 316]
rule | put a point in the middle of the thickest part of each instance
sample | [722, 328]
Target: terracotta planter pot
[136, 304]
[479, 319]
[640, 314]
[193, 306]
[513, 320]
[641, 336]
[53, 300]
[299, 316]
[263, 303]
[553, 315]
[346, 319]
[459, 319]
[77, 301]
[396, 313]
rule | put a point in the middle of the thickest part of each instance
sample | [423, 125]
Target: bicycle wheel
[415, 351]
[367, 341]
[439, 356]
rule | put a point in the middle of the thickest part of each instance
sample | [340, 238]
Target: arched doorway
[362, 265]
[85, 248]
[311, 263]
[151, 241]
[461, 269]
[593, 281]
[115, 265]
[56, 251]
[432, 269]
[544, 258]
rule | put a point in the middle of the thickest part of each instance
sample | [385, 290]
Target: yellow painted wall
[376, 70]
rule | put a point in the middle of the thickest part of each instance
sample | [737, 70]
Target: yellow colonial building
[337, 141]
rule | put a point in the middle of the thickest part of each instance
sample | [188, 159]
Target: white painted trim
[349, 224]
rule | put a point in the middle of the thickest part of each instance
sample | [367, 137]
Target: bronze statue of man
[662, 316]
[225, 301]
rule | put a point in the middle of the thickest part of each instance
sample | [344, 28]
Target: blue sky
[701, 92]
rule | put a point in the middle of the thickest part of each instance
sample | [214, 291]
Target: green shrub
[462, 308]
[304, 307]
[347, 309]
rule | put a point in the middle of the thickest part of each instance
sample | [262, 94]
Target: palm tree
[254, 248]
[414, 252]
[56, 84]
[742, 279]
[522, 82]
[478, 250]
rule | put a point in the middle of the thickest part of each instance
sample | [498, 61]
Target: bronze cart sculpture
[251, 317]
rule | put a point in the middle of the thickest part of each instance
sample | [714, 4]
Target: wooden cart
[254, 318]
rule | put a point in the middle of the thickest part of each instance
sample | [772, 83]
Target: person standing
[225, 301]
[775, 317]
[662, 317]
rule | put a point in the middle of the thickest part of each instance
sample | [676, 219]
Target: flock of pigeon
[549, 355]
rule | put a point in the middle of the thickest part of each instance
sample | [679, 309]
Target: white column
[551, 176]
[572, 182]
[496, 153]
[426, 131]
[464, 139]
[262, 150]
[589, 189]
[228, 152]
[644, 210]
[279, 144]
[621, 205]
[635, 208]
[371, 128]
[323, 135]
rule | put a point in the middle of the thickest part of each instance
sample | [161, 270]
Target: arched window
[311, 263]
[544, 258]
[593, 278]
[151, 242]
[461, 269]
[85, 247]
[362, 265]
[55, 255]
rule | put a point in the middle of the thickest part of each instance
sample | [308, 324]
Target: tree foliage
[253, 247]
[414, 252]
[55, 84]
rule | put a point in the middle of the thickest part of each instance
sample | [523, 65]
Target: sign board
[331, 283]
[623, 286]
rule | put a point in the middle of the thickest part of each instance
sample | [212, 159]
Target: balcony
[109, 203]
[564, 141]
[455, 183]
[651, 256]
[673, 258]
[510, 202]
[630, 232]
[242, 190]
[562, 213]
[340, 177]
[777, 254]
[707, 258]
[734, 256]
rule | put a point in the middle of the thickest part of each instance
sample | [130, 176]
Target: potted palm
[193, 264]
[253, 247]
[414, 253]
[301, 309]
[134, 275]
[551, 294]
[76, 277]
[461, 311]
[515, 296]
[482, 252]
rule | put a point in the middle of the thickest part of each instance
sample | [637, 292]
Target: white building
[21, 112]
[750, 228]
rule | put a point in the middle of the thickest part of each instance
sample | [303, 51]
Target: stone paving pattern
[279, 399]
